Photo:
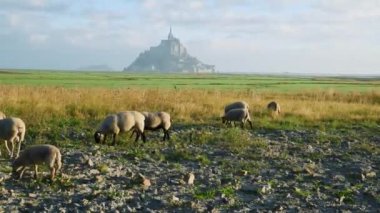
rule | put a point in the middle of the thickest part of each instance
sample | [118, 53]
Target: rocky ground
[207, 170]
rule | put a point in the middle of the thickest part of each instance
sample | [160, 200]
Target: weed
[103, 168]
[301, 192]
[210, 193]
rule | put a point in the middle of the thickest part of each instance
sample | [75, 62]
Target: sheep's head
[16, 166]
[223, 119]
[99, 137]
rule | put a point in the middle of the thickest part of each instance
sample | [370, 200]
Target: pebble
[189, 178]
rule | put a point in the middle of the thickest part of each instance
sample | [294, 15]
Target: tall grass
[38, 105]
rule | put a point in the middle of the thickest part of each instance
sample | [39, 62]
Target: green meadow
[273, 83]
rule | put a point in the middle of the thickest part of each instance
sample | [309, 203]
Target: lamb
[240, 115]
[274, 107]
[36, 155]
[119, 123]
[2, 115]
[157, 120]
[236, 105]
[12, 130]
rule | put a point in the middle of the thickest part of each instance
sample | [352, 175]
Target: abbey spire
[170, 36]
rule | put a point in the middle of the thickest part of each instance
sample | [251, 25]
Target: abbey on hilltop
[169, 56]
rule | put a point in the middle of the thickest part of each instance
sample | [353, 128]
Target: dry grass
[41, 104]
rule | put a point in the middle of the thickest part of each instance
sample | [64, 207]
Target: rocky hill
[169, 56]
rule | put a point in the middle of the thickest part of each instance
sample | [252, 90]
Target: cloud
[247, 35]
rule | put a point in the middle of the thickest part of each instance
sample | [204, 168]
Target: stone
[99, 178]
[175, 199]
[370, 174]
[339, 178]
[142, 180]
[90, 163]
[189, 178]
[32, 195]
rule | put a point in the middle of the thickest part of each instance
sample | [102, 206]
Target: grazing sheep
[12, 130]
[274, 108]
[240, 115]
[119, 123]
[36, 155]
[2, 115]
[157, 120]
[236, 105]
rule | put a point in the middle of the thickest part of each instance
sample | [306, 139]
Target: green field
[207, 81]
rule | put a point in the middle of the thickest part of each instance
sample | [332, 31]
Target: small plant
[203, 159]
[103, 168]
[204, 194]
[302, 193]
[210, 193]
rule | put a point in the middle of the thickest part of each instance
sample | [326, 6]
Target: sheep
[2, 115]
[236, 105]
[12, 130]
[274, 108]
[157, 120]
[36, 155]
[119, 123]
[240, 115]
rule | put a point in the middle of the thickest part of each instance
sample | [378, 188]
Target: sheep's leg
[250, 123]
[166, 135]
[114, 139]
[18, 148]
[143, 137]
[137, 136]
[104, 140]
[13, 147]
[22, 172]
[52, 173]
[35, 171]
[133, 132]
[242, 125]
[6, 146]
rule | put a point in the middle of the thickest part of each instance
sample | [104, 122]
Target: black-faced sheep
[240, 115]
[119, 123]
[37, 155]
[12, 130]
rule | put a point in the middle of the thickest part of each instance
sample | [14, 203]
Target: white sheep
[119, 123]
[274, 108]
[12, 130]
[2, 115]
[36, 155]
[240, 115]
[156, 121]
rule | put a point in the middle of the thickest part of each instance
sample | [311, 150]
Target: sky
[262, 36]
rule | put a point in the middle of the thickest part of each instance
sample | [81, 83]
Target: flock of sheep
[13, 129]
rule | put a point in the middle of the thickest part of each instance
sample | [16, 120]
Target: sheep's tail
[58, 160]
